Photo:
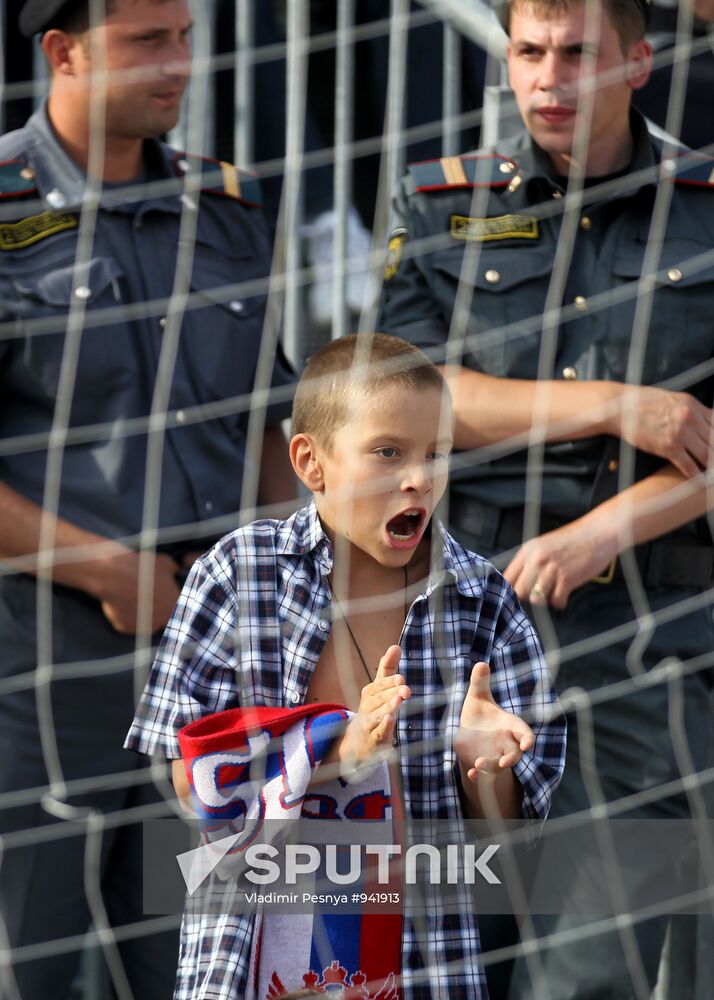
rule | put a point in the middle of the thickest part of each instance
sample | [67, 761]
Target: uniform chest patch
[16, 235]
[500, 227]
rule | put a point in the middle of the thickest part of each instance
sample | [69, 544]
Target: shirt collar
[62, 184]
[537, 165]
[466, 570]
[303, 534]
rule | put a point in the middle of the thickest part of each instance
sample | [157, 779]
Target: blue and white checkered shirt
[248, 629]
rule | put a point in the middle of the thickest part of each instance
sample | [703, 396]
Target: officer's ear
[305, 457]
[60, 49]
[639, 64]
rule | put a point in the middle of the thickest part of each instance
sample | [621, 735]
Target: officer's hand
[547, 569]
[118, 590]
[673, 425]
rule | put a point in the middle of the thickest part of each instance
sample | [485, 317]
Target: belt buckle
[608, 576]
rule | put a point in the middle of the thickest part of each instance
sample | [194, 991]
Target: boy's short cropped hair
[351, 369]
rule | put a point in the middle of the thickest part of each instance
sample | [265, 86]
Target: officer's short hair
[76, 18]
[628, 17]
[351, 369]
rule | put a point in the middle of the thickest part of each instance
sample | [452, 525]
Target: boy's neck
[356, 574]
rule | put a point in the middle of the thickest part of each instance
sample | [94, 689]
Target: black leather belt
[669, 561]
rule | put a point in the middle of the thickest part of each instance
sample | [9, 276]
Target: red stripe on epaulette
[23, 191]
[232, 197]
[466, 156]
[701, 184]
[210, 190]
[489, 156]
[462, 187]
[694, 162]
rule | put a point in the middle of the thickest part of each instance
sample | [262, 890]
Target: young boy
[428, 646]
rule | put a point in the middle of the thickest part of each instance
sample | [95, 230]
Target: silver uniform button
[180, 417]
[27, 174]
[208, 506]
[569, 373]
[323, 625]
[162, 322]
[83, 293]
[515, 183]
[506, 167]
[55, 198]
[674, 274]
[183, 166]
[236, 306]
[188, 202]
[294, 697]
[581, 302]
[492, 276]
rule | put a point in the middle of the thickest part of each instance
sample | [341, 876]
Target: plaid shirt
[248, 629]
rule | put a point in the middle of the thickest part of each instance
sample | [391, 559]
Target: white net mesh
[327, 103]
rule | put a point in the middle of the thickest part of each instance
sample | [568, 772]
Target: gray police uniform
[114, 291]
[469, 278]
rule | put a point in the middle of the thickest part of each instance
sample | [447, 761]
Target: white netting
[347, 91]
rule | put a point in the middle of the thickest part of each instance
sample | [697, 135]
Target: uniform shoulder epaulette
[221, 178]
[694, 169]
[469, 171]
[16, 179]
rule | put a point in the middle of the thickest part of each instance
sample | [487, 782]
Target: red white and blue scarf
[247, 766]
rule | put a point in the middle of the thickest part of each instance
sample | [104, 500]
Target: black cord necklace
[349, 627]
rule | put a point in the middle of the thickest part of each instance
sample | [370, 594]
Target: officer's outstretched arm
[489, 410]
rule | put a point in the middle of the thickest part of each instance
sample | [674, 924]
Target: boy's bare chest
[340, 674]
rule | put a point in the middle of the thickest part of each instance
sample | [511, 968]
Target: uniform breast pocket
[221, 333]
[102, 362]
[676, 333]
[506, 289]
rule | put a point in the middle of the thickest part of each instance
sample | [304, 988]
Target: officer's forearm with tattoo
[673, 425]
[101, 567]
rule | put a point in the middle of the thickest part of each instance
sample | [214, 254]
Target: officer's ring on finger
[537, 589]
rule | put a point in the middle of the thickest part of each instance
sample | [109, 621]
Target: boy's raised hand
[373, 725]
[489, 739]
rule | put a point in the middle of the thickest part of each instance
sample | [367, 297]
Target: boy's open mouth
[405, 525]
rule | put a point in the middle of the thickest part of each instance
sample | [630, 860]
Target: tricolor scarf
[249, 765]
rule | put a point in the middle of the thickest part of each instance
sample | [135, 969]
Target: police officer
[565, 278]
[135, 324]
